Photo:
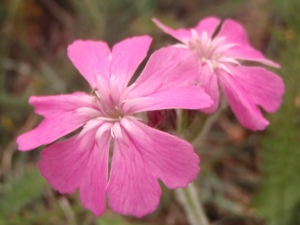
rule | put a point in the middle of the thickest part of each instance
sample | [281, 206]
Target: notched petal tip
[208, 25]
[91, 58]
[249, 88]
[78, 43]
[67, 166]
[127, 56]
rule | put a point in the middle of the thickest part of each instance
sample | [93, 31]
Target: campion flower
[219, 61]
[141, 154]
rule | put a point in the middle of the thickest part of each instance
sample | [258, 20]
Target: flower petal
[93, 186]
[208, 24]
[60, 118]
[208, 81]
[172, 84]
[241, 103]
[187, 97]
[170, 158]
[54, 105]
[68, 165]
[132, 189]
[262, 86]
[91, 58]
[235, 34]
[126, 57]
[139, 160]
[183, 35]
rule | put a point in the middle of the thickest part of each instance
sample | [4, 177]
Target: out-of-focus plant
[45, 69]
[279, 197]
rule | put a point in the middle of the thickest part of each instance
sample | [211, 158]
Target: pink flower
[219, 61]
[141, 154]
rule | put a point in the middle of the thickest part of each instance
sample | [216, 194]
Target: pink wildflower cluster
[220, 58]
[181, 76]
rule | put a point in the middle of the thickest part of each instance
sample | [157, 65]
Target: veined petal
[168, 85]
[91, 58]
[53, 105]
[139, 161]
[241, 103]
[132, 189]
[67, 166]
[179, 66]
[91, 112]
[93, 187]
[189, 96]
[126, 57]
[170, 158]
[49, 130]
[209, 82]
[183, 35]
[60, 119]
[263, 87]
[62, 164]
[235, 34]
[209, 25]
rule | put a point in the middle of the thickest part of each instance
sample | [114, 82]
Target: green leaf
[22, 191]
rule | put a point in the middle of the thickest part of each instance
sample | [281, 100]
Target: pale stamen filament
[210, 51]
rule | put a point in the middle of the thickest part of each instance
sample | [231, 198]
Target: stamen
[191, 45]
[93, 90]
[97, 94]
[199, 43]
[210, 51]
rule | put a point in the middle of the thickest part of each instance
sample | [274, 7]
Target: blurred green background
[246, 178]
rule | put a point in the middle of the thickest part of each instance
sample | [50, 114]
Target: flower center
[108, 109]
[211, 52]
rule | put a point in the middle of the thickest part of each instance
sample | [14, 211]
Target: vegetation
[246, 178]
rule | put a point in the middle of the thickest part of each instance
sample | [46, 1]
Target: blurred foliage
[21, 191]
[279, 196]
[33, 39]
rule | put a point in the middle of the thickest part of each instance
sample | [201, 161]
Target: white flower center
[108, 110]
[107, 98]
[211, 51]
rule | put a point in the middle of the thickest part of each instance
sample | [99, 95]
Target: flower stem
[189, 199]
[208, 124]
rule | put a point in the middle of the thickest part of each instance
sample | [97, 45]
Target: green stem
[208, 124]
[188, 197]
